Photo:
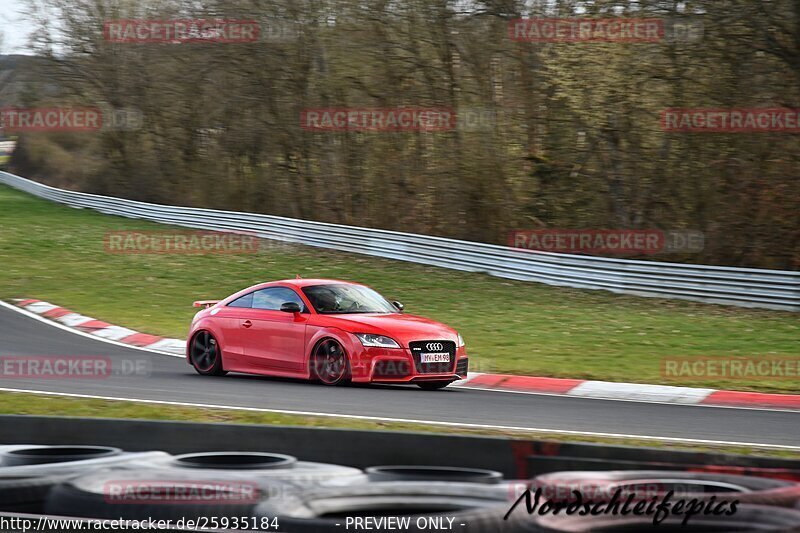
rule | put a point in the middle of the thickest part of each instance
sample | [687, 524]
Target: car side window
[272, 298]
[243, 301]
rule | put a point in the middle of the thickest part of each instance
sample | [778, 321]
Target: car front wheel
[330, 364]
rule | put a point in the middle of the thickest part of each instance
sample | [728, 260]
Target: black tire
[433, 473]
[247, 461]
[750, 518]
[24, 489]
[160, 494]
[124, 459]
[433, 385]
[599, 486]
[21, 494]
[479, 507]
[778, 497]
[330, 364]
[35, 455]
[205, 355]
[267, 467]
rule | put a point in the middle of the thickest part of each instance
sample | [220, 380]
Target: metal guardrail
[772, 289]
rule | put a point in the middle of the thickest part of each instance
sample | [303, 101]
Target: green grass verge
[42, 405]
[56, 253]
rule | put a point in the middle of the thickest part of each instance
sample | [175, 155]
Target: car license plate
[435, 357]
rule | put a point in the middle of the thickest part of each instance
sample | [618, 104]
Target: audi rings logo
[435, 346]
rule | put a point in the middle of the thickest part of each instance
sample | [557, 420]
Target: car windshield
[345, 298]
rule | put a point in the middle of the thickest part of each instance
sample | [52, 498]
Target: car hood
[401, 327]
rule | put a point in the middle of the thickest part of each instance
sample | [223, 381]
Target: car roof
[300, 282]
[297, 283]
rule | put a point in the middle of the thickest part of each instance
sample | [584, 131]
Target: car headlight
[377, 341]
[460, 342]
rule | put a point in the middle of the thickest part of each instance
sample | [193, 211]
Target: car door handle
[247, 323]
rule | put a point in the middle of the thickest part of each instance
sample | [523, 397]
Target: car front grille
[433, 346]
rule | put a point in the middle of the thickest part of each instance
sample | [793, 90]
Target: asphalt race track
[172, 379]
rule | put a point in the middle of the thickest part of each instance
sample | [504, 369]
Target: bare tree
[575, 139]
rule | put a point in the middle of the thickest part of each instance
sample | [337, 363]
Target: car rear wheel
[330, 364]
[206, 356]
[433, 385]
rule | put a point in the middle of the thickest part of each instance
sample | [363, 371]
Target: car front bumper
[382, 365]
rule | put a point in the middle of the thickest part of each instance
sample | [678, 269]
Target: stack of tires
[706, 502]
[407, 498]
[28, 473]
[274, 492]
[193, 487]
[245, 490]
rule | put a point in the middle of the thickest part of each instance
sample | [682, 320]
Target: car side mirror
[290, 307]
[399, 306]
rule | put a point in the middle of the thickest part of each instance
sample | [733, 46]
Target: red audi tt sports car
[326, 330]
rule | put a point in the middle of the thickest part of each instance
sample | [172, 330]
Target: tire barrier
[262, 466]
[543, 465]
[24, 488]
[235, 461]
[193, 486]
[644, 484]
[99, 483]
[415, 506]
[432, 473]
[162, 494]
[83, 465]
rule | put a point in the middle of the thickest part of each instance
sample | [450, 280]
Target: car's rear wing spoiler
[206, 303]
